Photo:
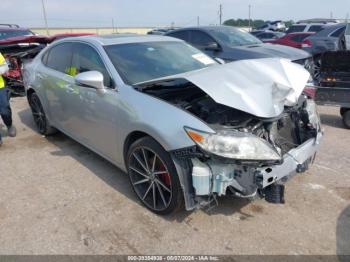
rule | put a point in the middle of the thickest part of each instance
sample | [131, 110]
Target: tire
[346, 119]
[39, 116]
[343, 110]
[155, 181]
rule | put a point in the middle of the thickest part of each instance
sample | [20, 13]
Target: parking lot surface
[57, 197]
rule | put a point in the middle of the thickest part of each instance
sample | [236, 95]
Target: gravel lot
[57, 197]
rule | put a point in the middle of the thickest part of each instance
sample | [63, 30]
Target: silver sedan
[185, 128]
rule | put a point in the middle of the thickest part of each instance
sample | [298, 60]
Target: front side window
[140, 62]
[59, 57]
[315, 28]
[200, 39]
[85, 58]
[233, 36]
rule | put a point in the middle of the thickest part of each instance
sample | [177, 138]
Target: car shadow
[343, 235]
[117, 179]
[3, 130]
[332, 120]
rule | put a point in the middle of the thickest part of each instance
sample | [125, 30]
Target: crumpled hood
[261, 87]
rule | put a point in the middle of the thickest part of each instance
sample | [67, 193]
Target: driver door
[95, 113]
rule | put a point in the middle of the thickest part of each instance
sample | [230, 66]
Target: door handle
[69, 88]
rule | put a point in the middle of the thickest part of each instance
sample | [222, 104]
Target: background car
[65, 35]
[267, 36]
[327, 39]
[160, 31]
[12, 30]
[231, 44]
[293, 39]
[306, 27]
[277, 25]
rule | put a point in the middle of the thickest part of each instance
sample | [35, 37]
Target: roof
[329, 29]
[115, 39]
[318, 20]
[302, 33]
[12, 27]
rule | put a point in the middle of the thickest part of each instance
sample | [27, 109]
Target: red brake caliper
[165, 177]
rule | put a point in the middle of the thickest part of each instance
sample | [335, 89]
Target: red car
[292, 39]
[64, 35]
[19, 45]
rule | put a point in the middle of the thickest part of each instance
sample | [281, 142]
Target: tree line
[254, 23]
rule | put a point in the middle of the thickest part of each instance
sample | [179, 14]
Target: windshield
[140, 62]
[234, 36]
[14, 33]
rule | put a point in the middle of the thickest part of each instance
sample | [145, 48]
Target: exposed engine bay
[16, 56]
[285, 132]
[291, 134]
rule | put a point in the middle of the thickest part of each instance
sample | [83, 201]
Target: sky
[160, 13]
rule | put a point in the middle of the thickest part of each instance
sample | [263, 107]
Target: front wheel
[39, 116]
[153, 176]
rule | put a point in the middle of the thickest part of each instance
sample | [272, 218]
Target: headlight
[234, 144]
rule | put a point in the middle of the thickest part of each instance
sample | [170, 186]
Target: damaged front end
[254, 147]
[17, 52]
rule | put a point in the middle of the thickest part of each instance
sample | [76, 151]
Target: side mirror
[92, 79]
[213, 47]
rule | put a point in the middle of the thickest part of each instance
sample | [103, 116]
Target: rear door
[55, 80]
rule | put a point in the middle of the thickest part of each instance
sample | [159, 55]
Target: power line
[45, 18]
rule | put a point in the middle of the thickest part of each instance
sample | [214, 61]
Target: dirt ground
[57, 197]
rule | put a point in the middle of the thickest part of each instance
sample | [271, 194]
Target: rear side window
[183, 35]
[299, 38]
[86, 58]
[266, 35]
[60, 57]
[296, 28]
[315, 28]
[338, 32]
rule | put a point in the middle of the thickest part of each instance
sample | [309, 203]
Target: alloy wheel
[38, 113]
[150, 178]
[317, 69]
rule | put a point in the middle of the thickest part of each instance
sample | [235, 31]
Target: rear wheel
[153, 176]
[39, 116]
[346, 118]
[343, 110]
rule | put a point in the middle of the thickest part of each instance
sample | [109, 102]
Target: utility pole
[331, 15]
[220, 14]
[249, 17]
[197, 20]
[45, 18]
